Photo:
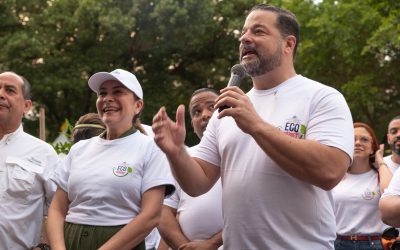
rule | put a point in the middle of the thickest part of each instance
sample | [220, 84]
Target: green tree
[354, 47]
[177, 46]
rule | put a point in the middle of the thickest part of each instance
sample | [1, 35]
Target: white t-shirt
[356, 200]
[393, 166]
[25, 188]
[105, 179]
[148, 130]
[153, 239]
[200, 217]
[394, 186]
[264, 207]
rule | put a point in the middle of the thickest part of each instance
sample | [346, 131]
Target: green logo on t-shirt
[122, 169]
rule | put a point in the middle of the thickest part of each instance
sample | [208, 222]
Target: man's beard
[262, 64]
[395, 149]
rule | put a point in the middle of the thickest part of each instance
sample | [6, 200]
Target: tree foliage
[177, 46]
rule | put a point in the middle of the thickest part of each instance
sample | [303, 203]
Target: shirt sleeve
[157, 171]
[394, 186]
[330, 121]
[207, 149]
[173, 200]
[53, 162]
[62, 172]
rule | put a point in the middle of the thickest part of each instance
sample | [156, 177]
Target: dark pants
[86, 237]
[358, 245]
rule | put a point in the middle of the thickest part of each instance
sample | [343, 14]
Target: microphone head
[238, 70]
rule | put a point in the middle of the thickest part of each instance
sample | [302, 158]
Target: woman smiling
[111, 187]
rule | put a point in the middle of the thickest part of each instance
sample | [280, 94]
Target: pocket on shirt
[21, 180]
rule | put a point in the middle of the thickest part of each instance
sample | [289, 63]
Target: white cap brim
[126, 78]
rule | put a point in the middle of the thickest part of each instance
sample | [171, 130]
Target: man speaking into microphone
[279, 148]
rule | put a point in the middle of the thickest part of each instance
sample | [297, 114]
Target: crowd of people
[283, 167]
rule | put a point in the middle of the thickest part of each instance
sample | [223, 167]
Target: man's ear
[27, 106]
[290, 44]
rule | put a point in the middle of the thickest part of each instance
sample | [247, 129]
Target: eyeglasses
[363, 140]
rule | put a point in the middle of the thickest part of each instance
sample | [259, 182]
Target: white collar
[7, 138]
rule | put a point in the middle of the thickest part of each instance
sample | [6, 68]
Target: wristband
[382, 163]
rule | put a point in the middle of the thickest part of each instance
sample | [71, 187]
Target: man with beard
[279, 149]
[393, 138]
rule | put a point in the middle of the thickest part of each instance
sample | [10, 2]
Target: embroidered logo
[122, 169]
[368, 194]
[294, 128]
[35, 161]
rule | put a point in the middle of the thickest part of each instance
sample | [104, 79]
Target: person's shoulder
[388, 158]
[138, 138]
[81, 145]
[143, 137]
[192, 149]
[314, 84]
[85, 142]
[316, 90]
[33, 141]
[148, 130]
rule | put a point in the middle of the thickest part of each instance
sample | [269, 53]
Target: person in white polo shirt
[111, 187]
[26, 164]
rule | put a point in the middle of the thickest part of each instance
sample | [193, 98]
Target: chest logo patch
[368, 194]
[122, 169]
[294, 128]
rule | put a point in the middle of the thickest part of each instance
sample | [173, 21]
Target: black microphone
[237, 74]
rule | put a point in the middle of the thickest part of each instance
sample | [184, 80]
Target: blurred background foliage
[177, 46]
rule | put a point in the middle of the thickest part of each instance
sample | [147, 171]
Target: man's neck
[273, 78]
[395, 158]
[4, 129]
[359, 167]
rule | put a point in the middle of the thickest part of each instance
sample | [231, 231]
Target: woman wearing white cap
[111, 187]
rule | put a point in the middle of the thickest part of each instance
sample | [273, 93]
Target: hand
[241, 109]
[169, 135]
[198, 245]
[379, 157]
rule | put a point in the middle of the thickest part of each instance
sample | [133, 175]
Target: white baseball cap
[127, 79]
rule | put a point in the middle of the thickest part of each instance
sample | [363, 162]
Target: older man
[25, 166]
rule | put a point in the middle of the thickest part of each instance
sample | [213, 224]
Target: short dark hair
[397, 117]
[26, 88]
[287, 23]
[198, 91]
